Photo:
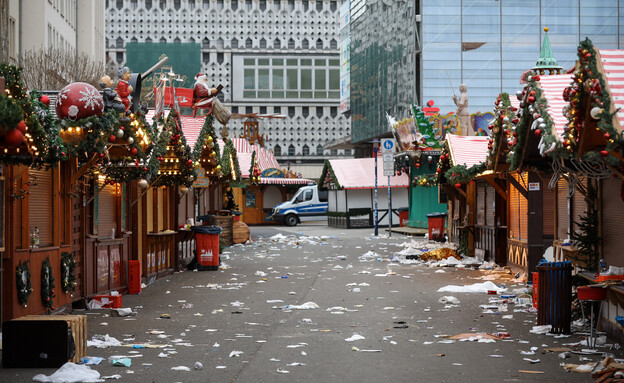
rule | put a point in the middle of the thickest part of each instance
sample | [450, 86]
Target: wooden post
[471, 204]
[535, 221]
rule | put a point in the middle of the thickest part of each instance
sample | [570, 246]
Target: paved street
[240, 311]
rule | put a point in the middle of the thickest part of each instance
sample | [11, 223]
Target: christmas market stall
[594, 141]
[419, 143]
[351, 186]
[473, 203]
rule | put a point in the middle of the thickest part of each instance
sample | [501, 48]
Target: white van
[308, 204]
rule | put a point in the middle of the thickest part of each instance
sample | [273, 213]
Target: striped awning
[468, 151]
[359, 173]
[613, 63]
[285, 181]
[552, 87]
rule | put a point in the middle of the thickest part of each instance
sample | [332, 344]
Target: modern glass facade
[485, 44]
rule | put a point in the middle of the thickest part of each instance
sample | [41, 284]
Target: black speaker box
[36, 343]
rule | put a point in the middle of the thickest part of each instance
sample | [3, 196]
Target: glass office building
[428, 45]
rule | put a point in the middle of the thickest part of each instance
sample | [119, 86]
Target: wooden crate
[78, 324]
[225, 222]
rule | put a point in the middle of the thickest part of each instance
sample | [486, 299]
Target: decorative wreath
[47, 285]
[68, 275]
[24, 287]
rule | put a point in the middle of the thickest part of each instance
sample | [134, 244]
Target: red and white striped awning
[359, 173]
[285, 181]
[613, 63]
[552, 87]
[468, 151]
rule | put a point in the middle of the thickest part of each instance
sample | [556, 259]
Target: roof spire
[547, 61]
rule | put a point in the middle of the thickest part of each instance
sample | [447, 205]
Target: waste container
[554, 301]
[236, 214]
[403, 216]
[207, 247]
[206, 220]
[435, 222]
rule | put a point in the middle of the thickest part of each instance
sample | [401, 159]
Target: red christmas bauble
[134, 151]
[531, 99]
[189, 163]
[79, 100]
[21, 126]
[607, 136]
[538, 132]
[438, 171]
[13, 138]
[458, 185]
[604, 153]
[45, 100]
[112, 138]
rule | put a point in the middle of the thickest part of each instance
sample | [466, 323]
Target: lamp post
[376, 214]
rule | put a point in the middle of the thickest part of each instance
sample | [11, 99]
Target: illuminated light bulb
[6, 150]
[70, 129]
[78, 129]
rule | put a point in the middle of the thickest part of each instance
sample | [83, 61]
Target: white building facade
[271, 56]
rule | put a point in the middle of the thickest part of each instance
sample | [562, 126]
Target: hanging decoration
[425, 180]
[47, 285]
[28, 133]
[460, 174]
[254, 170]
[206, 149]
[402, 164]
[24, 287]
[505, 115]
[229, 163]
[68, 273]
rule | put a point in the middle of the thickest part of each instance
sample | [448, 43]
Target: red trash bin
[207, 247]
[403, 216]
[435, 222]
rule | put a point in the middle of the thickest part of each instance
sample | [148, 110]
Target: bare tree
[4, 31]
[52, 69]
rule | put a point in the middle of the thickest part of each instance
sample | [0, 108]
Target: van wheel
[291, 220]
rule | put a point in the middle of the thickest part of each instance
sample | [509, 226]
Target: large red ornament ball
[21, 126]
[13, 138]
[189, 163]
[604, 153]
[45, 100]
[112, 138]
[458, 185]
[134, 151]
[79, 100]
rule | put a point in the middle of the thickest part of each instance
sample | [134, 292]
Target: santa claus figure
[203, 95]
[123, 88]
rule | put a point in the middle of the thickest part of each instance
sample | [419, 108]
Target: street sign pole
[389, 208]
[387, 149]
[376, 214]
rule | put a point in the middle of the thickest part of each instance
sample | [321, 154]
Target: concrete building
[73, 25]
[271, 56]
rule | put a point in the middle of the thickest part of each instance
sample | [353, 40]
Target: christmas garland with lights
[504, 113]
[328, 175]
[425, 181]
[24, 286]
[47, 285]
[229, 162]
[68, 272]
[460, 174]
[206, 150]
[254, 170]
[172, 136]
[590, 88]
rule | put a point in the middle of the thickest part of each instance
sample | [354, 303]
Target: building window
[177, 40]
[162, 40]
[319, 44]
[248, 5]
[319, 150]
[163, 4]
[277, 44]
[234, 43]
[206, 4]
[205, 57]
[249, 109]
[277, 109]
[148, 4]
[305, 44]
[305, 150]
[248, 43]
[205, 43]
[133, 40]
[319, 6]
[119, 4]
[347, 152]
[234, 4]
[291, 150]
[148, 40]
[334, 152]
[291, 111]
[305, 111]
[262, 5]
[133, 4]
[119, 42]
[219, 5]
[119, 57]
[333, 6]
[291, 44]
[333, 44]
[235, 109]
[191, 4]
[319, 111]
[291, 5]
[220, 57]
[263, 110]
[277, 150]
[263, 43]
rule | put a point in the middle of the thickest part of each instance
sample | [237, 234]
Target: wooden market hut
[351, 186]
[476, 198]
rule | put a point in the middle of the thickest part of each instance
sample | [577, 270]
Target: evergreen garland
[183, 174]
[426, 180]
[24, 286]
[504, 116]
[68, 272]
[590, 88]
[328, 176]
[228, 159]
[586, 238]
[47, 285]
[459, 174]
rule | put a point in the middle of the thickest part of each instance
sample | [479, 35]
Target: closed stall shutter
[523, 208]
[481, 203]
[490, 195]
[40, 204]
[514, 213]
[548, 208]
[107, 211]
[563, 218]
[612, 221]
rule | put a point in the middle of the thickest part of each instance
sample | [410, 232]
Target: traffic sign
[389, 172]
[388, 145]
[388, 157]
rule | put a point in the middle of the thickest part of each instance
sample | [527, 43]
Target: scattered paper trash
[448, 300]
[122, 312]
[235, 354]
[122, 362]
[103, 341]
[92, 360]
[541, 330]
[354, 338]
[180, 368]
[305, 306]
[474, 288]
[198, 366]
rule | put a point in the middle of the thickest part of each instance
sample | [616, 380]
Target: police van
[308, 204]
